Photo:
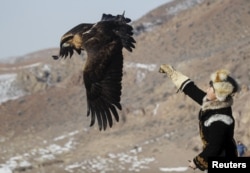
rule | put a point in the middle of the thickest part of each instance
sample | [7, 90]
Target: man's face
[210, 93]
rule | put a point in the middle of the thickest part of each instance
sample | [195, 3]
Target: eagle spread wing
[103, 42]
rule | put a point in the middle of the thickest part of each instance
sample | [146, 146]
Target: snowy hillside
[9, 90]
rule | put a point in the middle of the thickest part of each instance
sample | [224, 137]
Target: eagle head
[69, 43]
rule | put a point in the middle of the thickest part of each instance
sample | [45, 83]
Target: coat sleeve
[195, 93]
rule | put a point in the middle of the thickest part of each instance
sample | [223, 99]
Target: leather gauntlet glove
[177, 77]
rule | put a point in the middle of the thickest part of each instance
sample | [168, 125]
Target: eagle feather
[103, 71]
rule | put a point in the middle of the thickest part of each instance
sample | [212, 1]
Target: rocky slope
[45, 128]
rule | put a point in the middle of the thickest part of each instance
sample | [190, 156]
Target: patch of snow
[149, 67]
[24, 163]
[5, 169]
[38, 154]
[166, 135]
[173, 10]
[146, 26]
[155, 109]
[140, 76]
[142, 69]
[177, 169]
[122, 160]
[14, 162]
[20, 67]
[66, 136]
[8, 90]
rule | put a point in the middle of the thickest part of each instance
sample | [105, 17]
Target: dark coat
[216, 126]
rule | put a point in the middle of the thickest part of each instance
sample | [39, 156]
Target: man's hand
[177, 77]
[191, 165]
[166, 68]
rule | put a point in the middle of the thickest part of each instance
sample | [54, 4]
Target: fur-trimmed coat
[216, 125]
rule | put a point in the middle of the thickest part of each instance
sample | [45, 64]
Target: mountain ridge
[48, 127]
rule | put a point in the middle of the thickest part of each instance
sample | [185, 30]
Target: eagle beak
[65, 44]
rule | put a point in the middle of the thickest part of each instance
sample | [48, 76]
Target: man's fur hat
[223, 84]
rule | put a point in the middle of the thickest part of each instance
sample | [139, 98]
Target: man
[216, 122]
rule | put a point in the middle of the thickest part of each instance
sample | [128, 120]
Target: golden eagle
[103, 71]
